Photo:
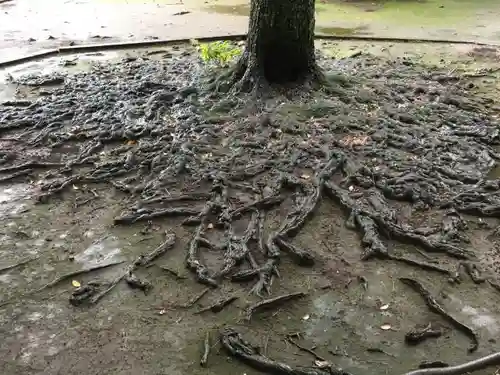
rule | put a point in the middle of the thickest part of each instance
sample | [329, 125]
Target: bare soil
[344, 313]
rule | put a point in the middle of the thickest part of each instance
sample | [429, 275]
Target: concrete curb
[165, 42]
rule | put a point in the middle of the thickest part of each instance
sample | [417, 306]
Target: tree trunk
[280, 43]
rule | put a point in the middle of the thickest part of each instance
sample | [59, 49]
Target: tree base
[247, 76]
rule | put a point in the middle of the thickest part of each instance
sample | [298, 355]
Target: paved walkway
[33, 25]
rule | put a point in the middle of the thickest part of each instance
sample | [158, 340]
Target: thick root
[251, 81]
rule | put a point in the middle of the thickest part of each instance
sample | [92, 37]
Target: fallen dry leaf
[322, 364]
[76, 284]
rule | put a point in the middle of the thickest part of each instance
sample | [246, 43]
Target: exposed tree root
[15, 175]
[160, 250]
[94, 295]
[432, 364]
[30, 165]
[421, 333]
[472, 270]
[435, 307]
[248, 77]
[375, 165]
[61, 279]
[387, 169]
[379, 221]
[237, 247]
[495, 285]
[134, 282]
[192, 260]
[235, 346]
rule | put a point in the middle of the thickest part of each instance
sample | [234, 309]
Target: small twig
[271, 303]
[206, 351]
[237, 347]
[84, 202]
[195, 299]
[363, 282]
[304, 349]
[472, 270]
[96, 298]
[218, 306]
[464, 368]
[60, 279]
[166, 212]
[76, 273]
[266, 345]
[143, 260]
[435, 307]
[379, 350]
[30, 165]
[172, 272]
[421, 333]
[19, 264]
[15, 175]
[495, 285]
[267, 202]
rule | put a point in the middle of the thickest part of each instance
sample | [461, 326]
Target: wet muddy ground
[30, 25]
[61, 218]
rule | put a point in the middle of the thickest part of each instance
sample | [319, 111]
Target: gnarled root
[248, 77]
[236, 346]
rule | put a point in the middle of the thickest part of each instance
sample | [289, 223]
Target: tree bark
[280, 43]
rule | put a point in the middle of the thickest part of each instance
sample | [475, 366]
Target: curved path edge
[233, 37]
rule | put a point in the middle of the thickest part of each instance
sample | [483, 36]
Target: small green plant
[221, 52]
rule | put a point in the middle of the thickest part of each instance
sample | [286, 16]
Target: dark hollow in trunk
[280, 42]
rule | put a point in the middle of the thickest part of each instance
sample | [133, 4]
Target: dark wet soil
[371, 197]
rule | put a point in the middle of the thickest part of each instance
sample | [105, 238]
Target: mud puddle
[12, 199]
